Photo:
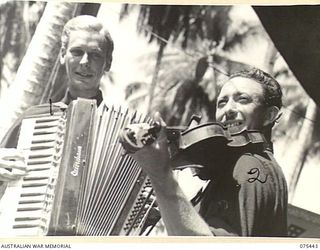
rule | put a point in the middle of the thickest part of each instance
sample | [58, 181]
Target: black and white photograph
[157, 120]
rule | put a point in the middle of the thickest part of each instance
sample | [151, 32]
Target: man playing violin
[247, 195]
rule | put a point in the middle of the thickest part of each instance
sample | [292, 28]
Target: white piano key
[38, 138]
[42, 146]
[39, 168]
[27, 128]
[27, 232]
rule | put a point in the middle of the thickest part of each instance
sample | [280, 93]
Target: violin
[136, 136]
[197, 144]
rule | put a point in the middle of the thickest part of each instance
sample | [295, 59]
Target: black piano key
[39, 156]
[31, 201]
[32, 194]
[28, 209]
[45, 126]
[37, 195]
[42, 141]
[31, 185]
[27, 218]
[38, 162]
[44, 132]
[35, 178]
[29, 225]
[48, 119]
[41, 147]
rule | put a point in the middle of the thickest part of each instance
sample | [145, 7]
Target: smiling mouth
[233, 124]
[84, 74]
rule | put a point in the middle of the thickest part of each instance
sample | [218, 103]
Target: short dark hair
[271, 88]
[88, 23]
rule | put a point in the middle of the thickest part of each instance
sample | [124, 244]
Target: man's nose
[84, 59]
[231, 110]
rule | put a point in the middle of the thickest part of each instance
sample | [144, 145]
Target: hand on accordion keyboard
[12, 164]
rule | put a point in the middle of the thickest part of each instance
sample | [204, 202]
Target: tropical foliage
[181, 23]
[205, 35]
[17, 25]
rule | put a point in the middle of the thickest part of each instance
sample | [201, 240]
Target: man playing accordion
[86, 52]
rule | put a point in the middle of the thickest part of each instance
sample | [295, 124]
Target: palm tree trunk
[35, 68]
[10, 33]
[304, 140]
[155, 75]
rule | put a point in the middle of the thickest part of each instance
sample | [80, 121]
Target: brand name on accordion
[77, 161]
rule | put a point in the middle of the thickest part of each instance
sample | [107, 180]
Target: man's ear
[62, 55]
[107, 65]
[272, 115]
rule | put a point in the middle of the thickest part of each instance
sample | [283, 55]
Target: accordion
[80, 181]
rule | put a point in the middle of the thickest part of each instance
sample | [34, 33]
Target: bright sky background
[128, 47]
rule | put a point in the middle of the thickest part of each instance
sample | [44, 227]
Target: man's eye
[244, 99]
[221, 103]
[96, 55]
[76, 52]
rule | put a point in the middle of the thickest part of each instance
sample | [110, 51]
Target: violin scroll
[136, 136]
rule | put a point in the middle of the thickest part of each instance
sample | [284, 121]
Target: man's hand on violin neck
[154, 158]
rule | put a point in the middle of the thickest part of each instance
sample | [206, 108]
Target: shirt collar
[69, 98]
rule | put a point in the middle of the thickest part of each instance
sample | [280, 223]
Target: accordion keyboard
[79, 179]
[32, 196]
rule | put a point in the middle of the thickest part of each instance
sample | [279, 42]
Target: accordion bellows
[79, 181]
